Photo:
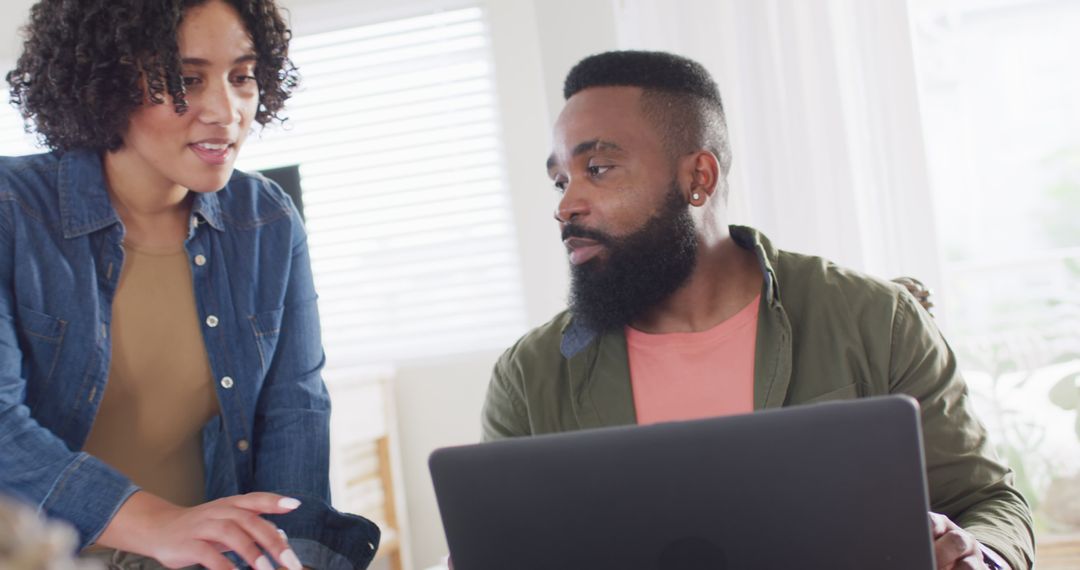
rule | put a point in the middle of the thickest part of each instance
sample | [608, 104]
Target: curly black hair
[680, 96]
[81, 72]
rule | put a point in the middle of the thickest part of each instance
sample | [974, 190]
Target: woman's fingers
[264, 503]
[267, 536]
[226, 535]
[244, 511]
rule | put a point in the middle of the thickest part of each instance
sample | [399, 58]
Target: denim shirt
[59, 266]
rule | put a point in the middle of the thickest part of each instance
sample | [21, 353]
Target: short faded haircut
[679, 96]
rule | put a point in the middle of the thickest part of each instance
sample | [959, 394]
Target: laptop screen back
[835, 485]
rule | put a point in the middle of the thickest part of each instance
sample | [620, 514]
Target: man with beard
[675, 315]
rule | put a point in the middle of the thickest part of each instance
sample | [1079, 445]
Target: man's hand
[954, 548]
[179, 537]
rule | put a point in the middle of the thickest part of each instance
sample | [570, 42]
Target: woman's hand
[178, 536]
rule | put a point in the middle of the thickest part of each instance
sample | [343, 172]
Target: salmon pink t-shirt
[684, 376]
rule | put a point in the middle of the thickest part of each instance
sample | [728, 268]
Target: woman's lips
[582, 249]
[214, 154]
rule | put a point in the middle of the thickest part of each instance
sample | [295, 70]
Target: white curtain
[822, 105]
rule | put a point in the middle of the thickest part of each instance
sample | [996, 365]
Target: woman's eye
[190, 80]
[243, 79]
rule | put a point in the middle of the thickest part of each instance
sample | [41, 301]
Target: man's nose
[573, 204]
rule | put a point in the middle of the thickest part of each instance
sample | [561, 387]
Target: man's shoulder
[813, 280]
[808, 280]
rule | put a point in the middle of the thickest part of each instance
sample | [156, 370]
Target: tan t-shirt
[160, 392]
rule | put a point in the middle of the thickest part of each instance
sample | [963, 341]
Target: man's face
[624, 217]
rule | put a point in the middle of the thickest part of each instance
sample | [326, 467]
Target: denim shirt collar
[84, 198]
[208, 207]
[577, 336]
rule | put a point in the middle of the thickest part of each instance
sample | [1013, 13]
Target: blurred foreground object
[28, 542]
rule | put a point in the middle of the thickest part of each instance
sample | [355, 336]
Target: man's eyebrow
[587, 146]
[595, 145]
[204, 62]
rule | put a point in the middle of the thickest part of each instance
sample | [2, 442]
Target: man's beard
[640, 270]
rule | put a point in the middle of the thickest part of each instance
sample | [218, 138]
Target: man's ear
[700, 173]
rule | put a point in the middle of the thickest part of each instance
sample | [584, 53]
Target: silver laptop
[837, 485]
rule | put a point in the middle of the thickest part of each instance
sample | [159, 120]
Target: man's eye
[598, 170]
[560, 184]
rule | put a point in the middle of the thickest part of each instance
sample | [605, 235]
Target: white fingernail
[288, 503]
[263, 563]
[289, 559]
[282, 533]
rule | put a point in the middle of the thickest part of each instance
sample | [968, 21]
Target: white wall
[438, 406]
[13, 14]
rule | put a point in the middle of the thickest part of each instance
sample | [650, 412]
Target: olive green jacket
[824, 333]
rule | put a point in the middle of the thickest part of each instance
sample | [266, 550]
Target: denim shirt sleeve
[294, 401]
[36, 466]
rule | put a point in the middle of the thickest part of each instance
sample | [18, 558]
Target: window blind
[397, 136]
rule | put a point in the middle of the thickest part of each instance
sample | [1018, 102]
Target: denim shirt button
[211, 321]
[227, 382]
[200, 260]
[242, 445]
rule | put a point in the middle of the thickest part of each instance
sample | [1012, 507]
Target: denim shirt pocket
[42, 336]
[266, 325]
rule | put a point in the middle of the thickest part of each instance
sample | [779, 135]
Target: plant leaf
[1066, 394]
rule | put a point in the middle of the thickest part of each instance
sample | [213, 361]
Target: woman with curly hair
[160, 357]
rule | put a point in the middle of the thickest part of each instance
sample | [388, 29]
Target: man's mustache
[572, 231]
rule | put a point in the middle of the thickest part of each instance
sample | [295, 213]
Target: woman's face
[197, 150]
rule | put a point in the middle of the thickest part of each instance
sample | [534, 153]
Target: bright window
[1001, 104]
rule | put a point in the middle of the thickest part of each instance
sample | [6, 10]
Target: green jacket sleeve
[967, 482]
